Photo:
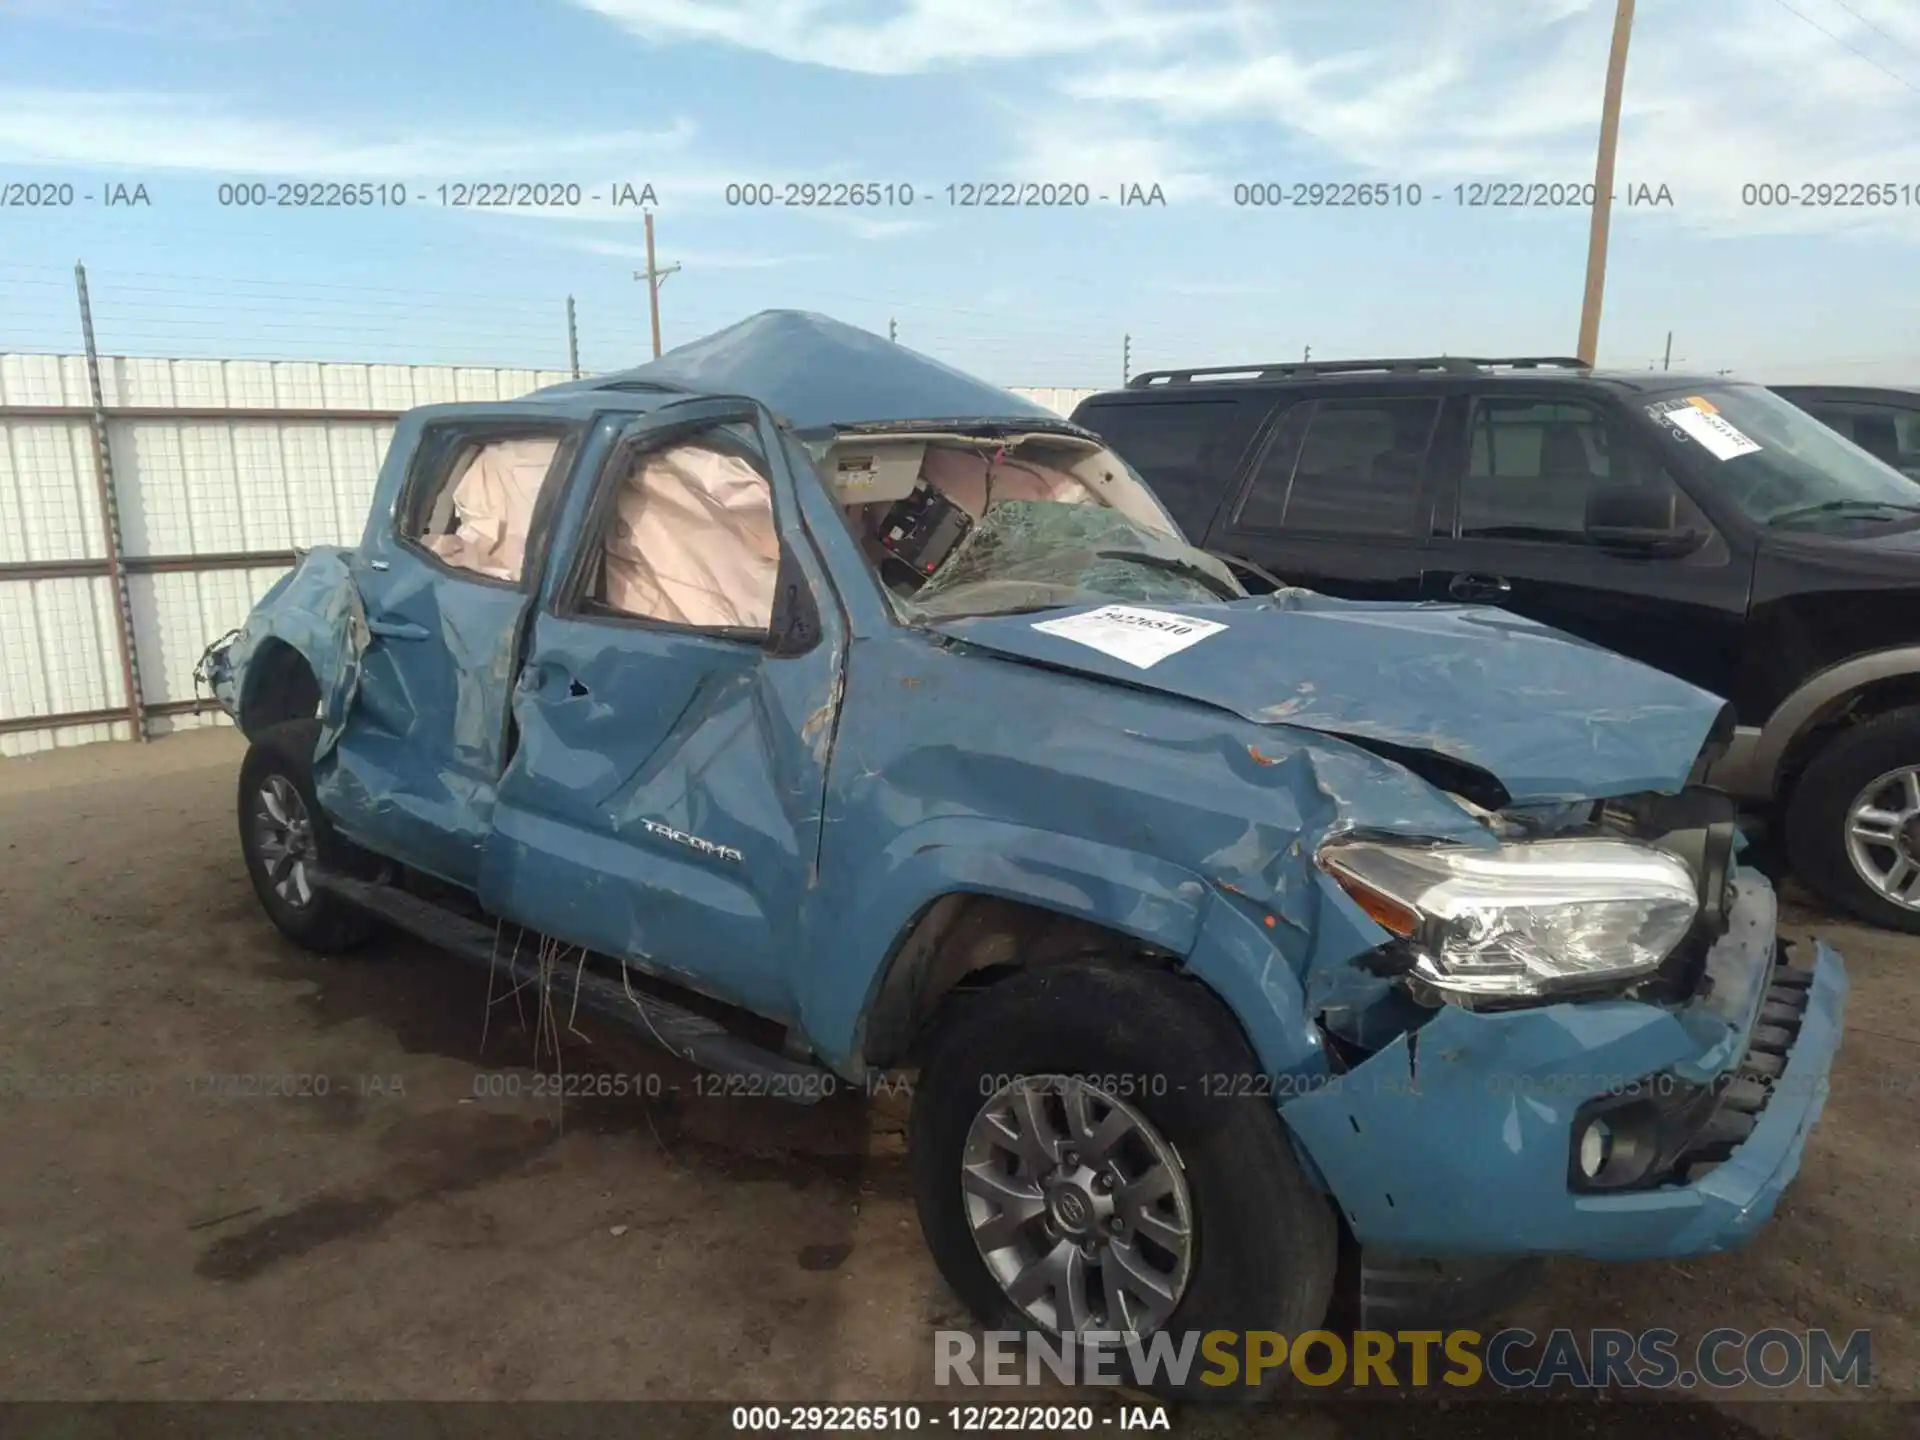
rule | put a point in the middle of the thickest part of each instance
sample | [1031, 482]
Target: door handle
[396, 629]
[1479, 587]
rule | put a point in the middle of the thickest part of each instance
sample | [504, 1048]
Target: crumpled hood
[1549, 716]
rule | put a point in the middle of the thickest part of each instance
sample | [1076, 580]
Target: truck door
[1336, 498]
[674, 713]
[445, 579]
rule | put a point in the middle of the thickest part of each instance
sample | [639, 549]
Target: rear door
[445, 581]
[675, 712]
[1337, 498]
[1514, 500]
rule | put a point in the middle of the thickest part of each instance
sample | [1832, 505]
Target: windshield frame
[1706, 478]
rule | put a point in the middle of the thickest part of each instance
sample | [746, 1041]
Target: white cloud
[903, 37]
[1503, 91]
[1433, 90]
[138, 131]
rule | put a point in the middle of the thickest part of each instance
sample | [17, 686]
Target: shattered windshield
[1042, 555]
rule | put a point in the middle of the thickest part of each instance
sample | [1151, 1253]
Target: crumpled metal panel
[1551, 717]
[814, 371]
[1178, 824]
[1024, 554]
[1474, 1112]
[316, 609]
[423, 741]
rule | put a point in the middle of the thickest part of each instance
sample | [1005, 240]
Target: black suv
[1883, 422]
[1707, 527]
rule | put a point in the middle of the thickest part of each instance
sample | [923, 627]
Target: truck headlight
[1526, 919]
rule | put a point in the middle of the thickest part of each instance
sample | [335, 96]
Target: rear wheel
[1853, 825]
[286, 840]
[1085, 1159]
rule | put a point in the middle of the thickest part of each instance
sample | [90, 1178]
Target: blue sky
[1192, 95]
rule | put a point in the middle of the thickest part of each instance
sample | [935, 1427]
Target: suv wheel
[1083, 1159]
[1853, 826]
[285, 838]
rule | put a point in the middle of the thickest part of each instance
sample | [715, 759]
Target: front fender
[1153, 900]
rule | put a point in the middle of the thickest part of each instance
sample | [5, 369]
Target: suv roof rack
[1311, 369]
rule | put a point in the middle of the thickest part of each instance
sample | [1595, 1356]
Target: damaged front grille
[1743, 1093]
[1664, 1132]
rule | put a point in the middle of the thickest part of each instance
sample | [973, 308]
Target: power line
[1890, 74]
[1876, 30]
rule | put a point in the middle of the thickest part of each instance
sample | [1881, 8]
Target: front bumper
[1454, 1140]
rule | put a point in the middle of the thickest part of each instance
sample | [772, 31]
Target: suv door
[1531, 484]
[1337, 498]
[444, 581]
[663, 803]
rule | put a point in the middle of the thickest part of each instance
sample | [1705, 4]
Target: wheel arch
[280, 683]
[962, 896]
[1861, 688]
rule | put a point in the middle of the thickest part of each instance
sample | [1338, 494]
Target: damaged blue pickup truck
[846, 715]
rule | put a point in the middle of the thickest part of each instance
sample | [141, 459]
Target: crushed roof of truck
[816, 372]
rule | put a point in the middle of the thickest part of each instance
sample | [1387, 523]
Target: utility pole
[1126, 358]
[573, 340]
[1306, 354]
[1603, 184]
[1666, 361]
[654, 275]
[893, 330]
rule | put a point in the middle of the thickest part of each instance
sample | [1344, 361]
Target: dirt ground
[428, 1228]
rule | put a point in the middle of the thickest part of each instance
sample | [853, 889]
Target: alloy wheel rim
[1883, 836]
[1079, 1207]
[283, 838]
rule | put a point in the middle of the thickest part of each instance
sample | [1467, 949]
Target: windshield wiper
[1842, 507]
[1225, 589]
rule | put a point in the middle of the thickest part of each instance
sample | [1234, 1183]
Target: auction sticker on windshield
[1700, 420]
[1140, 637]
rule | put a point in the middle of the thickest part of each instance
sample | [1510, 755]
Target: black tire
[1266, 1240]
[324, 922]
[1816, 822]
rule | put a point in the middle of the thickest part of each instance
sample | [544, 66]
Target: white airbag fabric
[493, 504]
[693, 542]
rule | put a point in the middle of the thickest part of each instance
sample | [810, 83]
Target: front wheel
[1853, 825]
[1086, 1157]
[286, 839]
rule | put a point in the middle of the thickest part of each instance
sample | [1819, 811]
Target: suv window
[1886, 432]
[1355, 471]
[1532, 465]
[1185, 450]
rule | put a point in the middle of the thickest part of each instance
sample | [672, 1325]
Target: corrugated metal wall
[199, 486]
[211, 502]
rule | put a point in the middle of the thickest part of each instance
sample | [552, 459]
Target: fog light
[1596, 1147]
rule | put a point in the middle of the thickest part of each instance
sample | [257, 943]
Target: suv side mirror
[1638, 519]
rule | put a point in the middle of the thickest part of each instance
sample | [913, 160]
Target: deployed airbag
[692, 541]
[492, 508]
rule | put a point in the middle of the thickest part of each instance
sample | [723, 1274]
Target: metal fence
[145, 504]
